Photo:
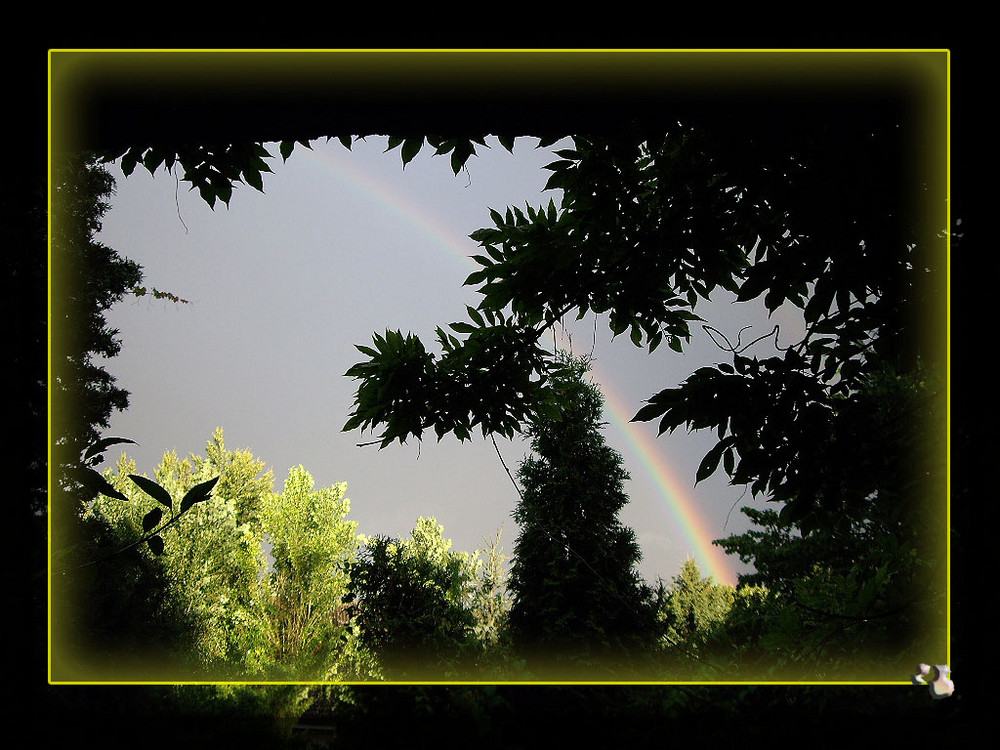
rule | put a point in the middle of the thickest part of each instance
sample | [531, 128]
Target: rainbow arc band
[671, 489]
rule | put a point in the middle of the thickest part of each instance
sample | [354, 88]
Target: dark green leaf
[476, 317]
[727, 461]
[152, 489]
[476, 277]
[617, 324]
[411, 147]
[198, 493]
[352, 424]
[130, 159]
[155, 545]
[151, 519]
[753, 287]
[151, 160]
[253, 179]
[648, 412]
[96, 484]
[101, 445]
[710, 462]
[486, 234]
[654, 340]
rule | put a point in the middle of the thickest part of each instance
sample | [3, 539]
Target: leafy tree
[801, 199]
[86, 279]
[576, 593]
[865, 585]
[491, 598]
[693, 607]
[231, 616]
[653, 222]
[112, 610]
[415, 602]
[307, 626]
[200, 580]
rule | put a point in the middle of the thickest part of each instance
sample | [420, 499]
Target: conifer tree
[577, 596]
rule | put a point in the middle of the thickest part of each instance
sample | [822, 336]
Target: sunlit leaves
[416, 599]
[312, 544]
[153, 522]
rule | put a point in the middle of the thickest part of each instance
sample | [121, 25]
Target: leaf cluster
[646, 228]
[494, 379]
[460, 148]
[153, 523]
[214, 170]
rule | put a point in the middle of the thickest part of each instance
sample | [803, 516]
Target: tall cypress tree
[577, 596]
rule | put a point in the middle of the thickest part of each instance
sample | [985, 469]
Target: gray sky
[342, 244]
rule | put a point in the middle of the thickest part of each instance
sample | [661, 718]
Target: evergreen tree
[694, 606]
[577, 596]
[88, 278]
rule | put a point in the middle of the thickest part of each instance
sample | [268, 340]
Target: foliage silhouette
[576, 596]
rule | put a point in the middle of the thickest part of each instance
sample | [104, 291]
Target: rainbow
[673, 492]
[459, 247]
[678, 499]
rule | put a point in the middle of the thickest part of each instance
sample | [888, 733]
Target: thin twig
[497, 449]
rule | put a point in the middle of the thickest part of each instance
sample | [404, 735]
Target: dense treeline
[256, 585]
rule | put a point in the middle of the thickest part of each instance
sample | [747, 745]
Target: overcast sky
[342, 244]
